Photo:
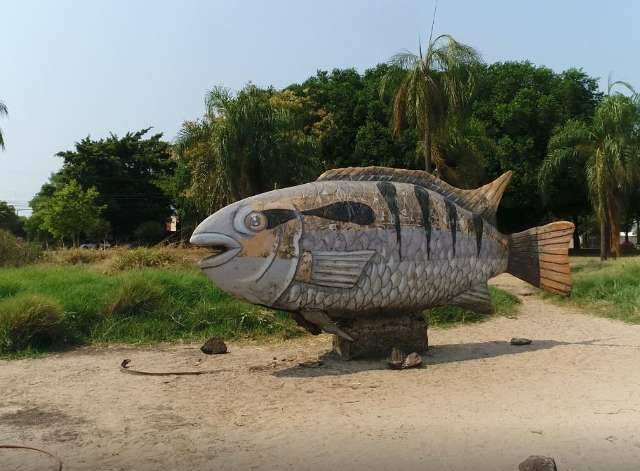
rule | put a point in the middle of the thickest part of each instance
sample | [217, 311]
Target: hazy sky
[69, 69]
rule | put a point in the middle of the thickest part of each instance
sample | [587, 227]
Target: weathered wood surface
[375, 337]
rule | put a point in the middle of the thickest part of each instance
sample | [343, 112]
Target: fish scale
[387, 273]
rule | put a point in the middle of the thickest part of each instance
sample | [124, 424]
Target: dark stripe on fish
[275, 217]
[452, 214]
[388, 192]
[478, 226]
[422, 196]
[345, 211]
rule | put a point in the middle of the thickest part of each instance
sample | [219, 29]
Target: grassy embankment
[139, 296]
[608, 289]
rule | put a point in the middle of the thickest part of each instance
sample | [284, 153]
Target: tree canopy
[129, 175]
[473, 120]
[71, 212]
[9, 219]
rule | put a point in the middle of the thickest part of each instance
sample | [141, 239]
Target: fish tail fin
[540, 256]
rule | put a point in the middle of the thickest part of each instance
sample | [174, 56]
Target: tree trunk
[427, 147]
[603, 240]
[614, 234]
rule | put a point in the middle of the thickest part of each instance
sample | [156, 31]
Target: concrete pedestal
[374, 337]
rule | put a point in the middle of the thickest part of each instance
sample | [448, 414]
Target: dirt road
[479, 404]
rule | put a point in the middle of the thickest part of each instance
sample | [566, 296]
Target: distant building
[633, 235]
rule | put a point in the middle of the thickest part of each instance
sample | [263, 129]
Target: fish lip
[227, 248]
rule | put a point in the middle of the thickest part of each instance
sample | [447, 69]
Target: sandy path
[480, 404]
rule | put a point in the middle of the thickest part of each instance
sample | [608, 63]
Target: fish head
[255, 245]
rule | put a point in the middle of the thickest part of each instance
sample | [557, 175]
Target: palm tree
[609, 149]
[246, 143]
[3, 112]
[433, 89]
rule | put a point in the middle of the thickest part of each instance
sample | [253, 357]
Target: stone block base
[374, 337]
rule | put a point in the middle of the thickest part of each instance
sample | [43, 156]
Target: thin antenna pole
[433, 21]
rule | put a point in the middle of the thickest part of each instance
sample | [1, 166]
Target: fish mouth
[224, 248]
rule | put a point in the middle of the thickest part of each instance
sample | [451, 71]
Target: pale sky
[72, 68]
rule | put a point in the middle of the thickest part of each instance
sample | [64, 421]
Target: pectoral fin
[476, 299]
[323, 321]
[333, 269]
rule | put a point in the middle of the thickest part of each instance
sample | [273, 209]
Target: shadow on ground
[437, 355]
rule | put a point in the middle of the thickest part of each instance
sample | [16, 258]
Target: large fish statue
[375, 241]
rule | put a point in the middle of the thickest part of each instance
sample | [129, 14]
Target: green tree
[129, 174]
[70, 212]
[9, 219]
[609, 152]
[352, 120]
[432, 90]
[520, 106]
[3, 112]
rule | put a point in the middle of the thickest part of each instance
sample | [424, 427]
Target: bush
[136, 297]
[76, 256]
[136, 259]
[29, 321]
[15, 253]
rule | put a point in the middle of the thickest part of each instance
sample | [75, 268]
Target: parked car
[96, 245]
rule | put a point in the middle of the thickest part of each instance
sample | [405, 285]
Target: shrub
[29, 321]
[76, 256]
[15, 252]
[135, 297]
[136, 259]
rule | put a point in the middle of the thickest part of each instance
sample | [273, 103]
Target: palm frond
[3, 112]
[612, 84]
[404, 60]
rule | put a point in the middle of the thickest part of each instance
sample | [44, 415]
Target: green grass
[608, 289]
[142, 306]
[93, 305]
[29, 320]
[505, 304]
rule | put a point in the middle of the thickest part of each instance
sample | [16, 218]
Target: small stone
[396, 359]
[215, 345]
[412, 360]
[520, 341]
[538, 463]
[311, 364]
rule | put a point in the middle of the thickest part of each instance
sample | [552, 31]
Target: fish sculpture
[375, 241]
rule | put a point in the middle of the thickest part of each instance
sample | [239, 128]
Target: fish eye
[255, 221]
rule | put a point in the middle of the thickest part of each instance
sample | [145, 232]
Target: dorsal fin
[483, 201]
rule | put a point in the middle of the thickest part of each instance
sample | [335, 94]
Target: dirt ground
[479, 404]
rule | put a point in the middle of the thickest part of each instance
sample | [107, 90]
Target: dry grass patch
[15, 252]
